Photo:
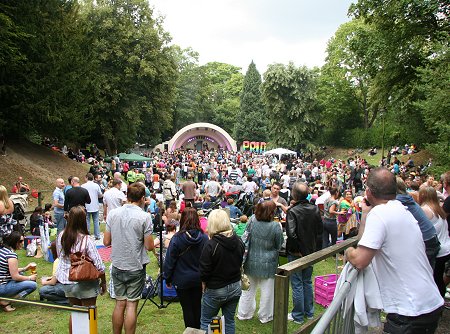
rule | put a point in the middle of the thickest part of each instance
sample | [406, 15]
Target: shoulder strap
[84, 242]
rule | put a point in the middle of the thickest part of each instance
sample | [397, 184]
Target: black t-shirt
[76, 196]
[446, 207]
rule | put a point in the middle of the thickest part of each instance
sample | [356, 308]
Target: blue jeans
[94, 216]
[20, 289]
[302, 292]
[60, 221]
[225, 298]
[54, 293]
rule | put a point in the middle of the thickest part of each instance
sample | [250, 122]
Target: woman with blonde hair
[266, 239]
[430, 204]
[6, 213]
[6, 205]
[220, 271]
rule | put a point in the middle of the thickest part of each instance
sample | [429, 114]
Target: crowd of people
[208, 200]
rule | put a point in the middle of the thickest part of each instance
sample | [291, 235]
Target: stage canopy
[129, 157]
[280, 151]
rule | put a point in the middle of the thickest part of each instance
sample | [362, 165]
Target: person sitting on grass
[51, 289]
[240, 227]
[171, 229]
[12, 282]
[36, 220]
[235, 212]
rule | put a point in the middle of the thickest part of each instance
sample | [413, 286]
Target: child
[36, 220]
[48, 215]
[235, 212]
[239, 229]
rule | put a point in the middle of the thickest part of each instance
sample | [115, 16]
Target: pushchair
[20, 202]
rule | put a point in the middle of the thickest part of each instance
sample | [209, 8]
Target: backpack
[150, 289]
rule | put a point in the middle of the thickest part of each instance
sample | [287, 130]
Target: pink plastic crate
[324, 287]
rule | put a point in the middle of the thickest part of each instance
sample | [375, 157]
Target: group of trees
[94, 70]
[105, 71]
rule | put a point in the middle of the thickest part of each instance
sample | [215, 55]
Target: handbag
[82, 267]
[246, 237]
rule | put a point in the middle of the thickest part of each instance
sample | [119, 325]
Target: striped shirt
[62, 274]
[5, 255]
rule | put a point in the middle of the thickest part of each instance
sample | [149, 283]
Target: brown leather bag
[82, 267]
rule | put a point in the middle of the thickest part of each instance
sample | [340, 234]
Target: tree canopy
[106, 71]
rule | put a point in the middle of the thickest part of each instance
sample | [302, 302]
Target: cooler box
[324, 287]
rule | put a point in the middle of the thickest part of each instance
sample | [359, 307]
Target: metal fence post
[281, 304]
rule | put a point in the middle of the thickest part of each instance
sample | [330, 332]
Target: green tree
[348, 75]
[43, 88]
[219, 102]
[133, 73]
[251, 121]
[289, 96]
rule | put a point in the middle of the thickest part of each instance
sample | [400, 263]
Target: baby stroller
[20, 202]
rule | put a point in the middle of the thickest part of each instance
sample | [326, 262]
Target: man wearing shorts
[128, 231]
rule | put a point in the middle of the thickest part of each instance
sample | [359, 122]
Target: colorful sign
[254, 146]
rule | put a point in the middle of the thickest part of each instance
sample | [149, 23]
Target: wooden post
[40, 197]
[281, 304]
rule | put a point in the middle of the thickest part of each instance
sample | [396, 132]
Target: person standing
[113, 198]
[58, 205]
[188, 189]
[304, 225]
[76, 195]
[430, 204]
[213, 189]
[169, 190]
[281, 203]
[92, 208]
[391, 240]
[220, 271]
[266, 239]
[330, 224]
[129, 232]
[181, 266]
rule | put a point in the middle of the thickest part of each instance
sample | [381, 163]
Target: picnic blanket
[105, 253]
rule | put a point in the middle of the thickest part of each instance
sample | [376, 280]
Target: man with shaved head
[76, 195]
[58, 205]
[304, 227]
[392, 242]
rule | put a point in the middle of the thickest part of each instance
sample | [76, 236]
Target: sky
[265, 31]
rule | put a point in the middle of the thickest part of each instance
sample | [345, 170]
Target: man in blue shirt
[58, 205]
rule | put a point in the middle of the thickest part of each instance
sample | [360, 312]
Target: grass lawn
[33, 319]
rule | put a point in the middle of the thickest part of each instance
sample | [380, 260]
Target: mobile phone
[367, 201]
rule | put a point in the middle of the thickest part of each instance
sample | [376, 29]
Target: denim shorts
[82, 290]
[128, 284]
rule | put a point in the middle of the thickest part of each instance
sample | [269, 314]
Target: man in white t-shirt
[391, 240]
[92, 208]
[123, 185]
[113, 198]
[213, 189]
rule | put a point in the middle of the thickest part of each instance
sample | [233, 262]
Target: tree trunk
[107, 146]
